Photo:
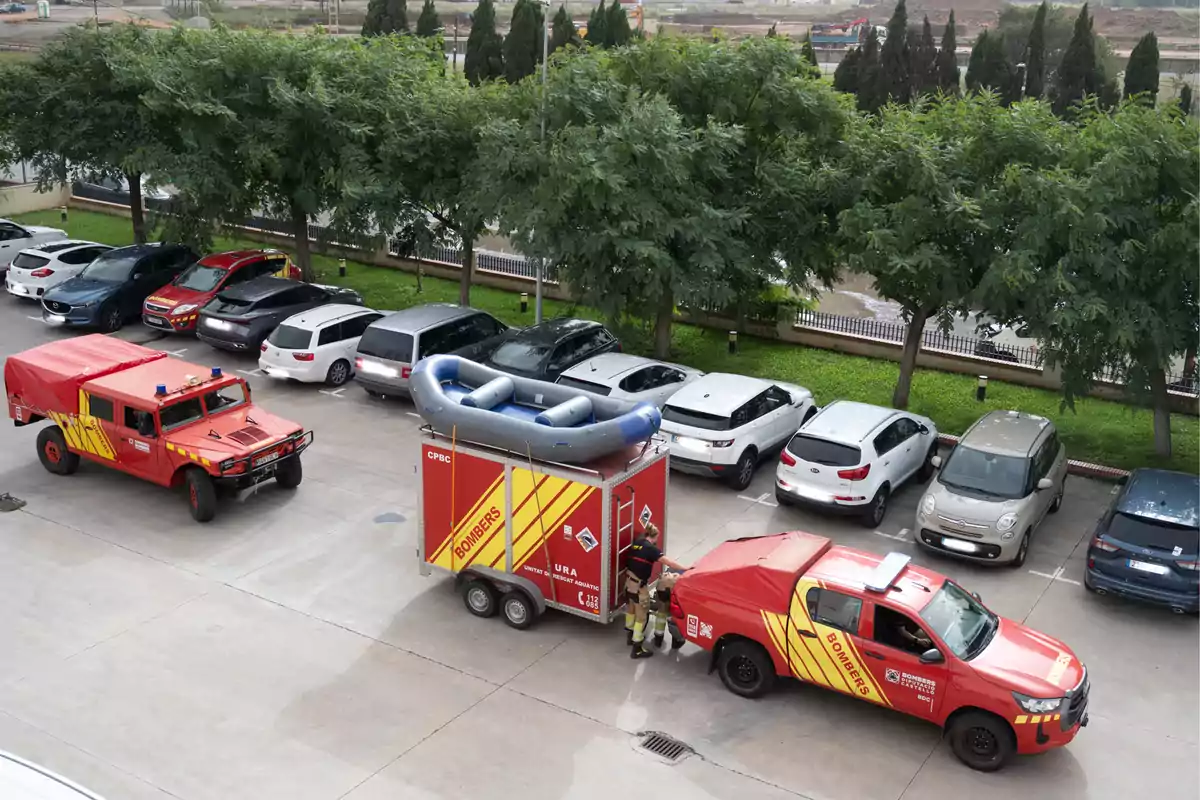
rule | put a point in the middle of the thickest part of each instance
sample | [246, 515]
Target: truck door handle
[873, 654]
[808, 634]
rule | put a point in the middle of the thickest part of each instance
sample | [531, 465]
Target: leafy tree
[1185, 100]
[398, 11]
[810, 55]
[923, 66]
[563, 30]
[484, 60]
[597, 27]
[1080, 74]
[1102, 264]
[922, 227]
[1035, 54]
[845, 76]
[523, 45]
[870, 97]
[1141, 74]
[989, 69]
[68, 113]
[948, 73]
[894, 59]
[384, 17]
[617, 32]
[428, 24]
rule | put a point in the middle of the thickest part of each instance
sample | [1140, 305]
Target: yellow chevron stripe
[465, 537]
[569, 498]
[824, 664]
[441, 548]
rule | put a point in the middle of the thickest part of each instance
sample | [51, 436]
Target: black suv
[241, 317]
[543, 351]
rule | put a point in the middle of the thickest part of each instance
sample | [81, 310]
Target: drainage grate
[665, 747]
[10, 503]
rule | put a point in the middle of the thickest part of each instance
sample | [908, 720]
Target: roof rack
[886, 573]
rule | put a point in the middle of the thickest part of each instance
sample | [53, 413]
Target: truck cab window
[897, 630]
[101, 408]
[834, 609]
[140, 421]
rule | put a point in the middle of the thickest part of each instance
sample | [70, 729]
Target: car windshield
[985, 473]
[1159, 534]
[286, 337]
[960, 621]
[181, 413]
[520, 356]
[696, 419]
[111, 267]
[587, 386]
[200, 278]
[225, 398]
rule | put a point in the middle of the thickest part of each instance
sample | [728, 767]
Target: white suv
[724, 425]
[851, 457]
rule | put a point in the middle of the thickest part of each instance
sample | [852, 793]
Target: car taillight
[856, 474]
[1107, 547]
[619, 348]
[723, 443]
[41, 273]
[264, 347]
[405, 372]
[358, 363]
[786, 458]
[676, 609]
[302, 356]
[1192, 565]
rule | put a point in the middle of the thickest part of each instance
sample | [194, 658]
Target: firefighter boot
[658, 640]
[628, 637]
[639, 651]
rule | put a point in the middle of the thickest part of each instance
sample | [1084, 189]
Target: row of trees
[671, 172]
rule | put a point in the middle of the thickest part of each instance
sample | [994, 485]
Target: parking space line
[254, 373]
[902, 536]
[177, 353]
[334, 392]
[1056, 576]
[760, 500]
[35, 319]
[413, 414]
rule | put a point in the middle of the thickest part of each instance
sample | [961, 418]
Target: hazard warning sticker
[586, 540]
[647, 514]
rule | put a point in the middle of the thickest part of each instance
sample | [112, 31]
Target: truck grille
[249, 435]
[55, 307]
[157, 308]
[1077, 700]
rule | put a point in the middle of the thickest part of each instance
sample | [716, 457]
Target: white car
[14, 238]
[24, 780]
[851, 457]
[316, 346]
[37, 269]
[629, 377]
[724, 425]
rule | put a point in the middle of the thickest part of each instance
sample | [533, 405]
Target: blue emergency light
[160, 390]
[216, 372]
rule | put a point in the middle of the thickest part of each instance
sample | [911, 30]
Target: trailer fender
[505, 581]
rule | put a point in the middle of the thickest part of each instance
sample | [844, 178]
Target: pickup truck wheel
[53, 452]
[110, 318]
[873, 514]
[982, 741]
[746, 669]
[743, 470]
[201, 494]
[519, 611]
[479, 597]
[289, 473]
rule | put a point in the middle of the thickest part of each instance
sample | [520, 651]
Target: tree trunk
[908, 360]
[137, 214]
[1162, 413]
[468, 269]
[300, 233]
[662, 323]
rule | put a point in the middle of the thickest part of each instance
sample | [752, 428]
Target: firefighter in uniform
[643, 554]
[660, 607]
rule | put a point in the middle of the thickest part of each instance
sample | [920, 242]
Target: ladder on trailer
[619, 529]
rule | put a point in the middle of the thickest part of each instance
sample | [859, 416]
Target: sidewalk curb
[1083, 468]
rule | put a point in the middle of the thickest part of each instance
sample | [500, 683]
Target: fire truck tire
[982, 741]
[479, 597]
[518, 610]
[289, 473]
[201, 494]
[53, 452]
[746, 669]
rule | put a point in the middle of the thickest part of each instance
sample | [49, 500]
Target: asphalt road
[290, 650]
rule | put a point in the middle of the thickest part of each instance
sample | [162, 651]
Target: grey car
[391, 346]
[241, 317]
[993, 490]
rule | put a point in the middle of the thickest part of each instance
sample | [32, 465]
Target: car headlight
[1037, 705]
[928, 505]
[183, 309]
[1006, 522]
[89, 304]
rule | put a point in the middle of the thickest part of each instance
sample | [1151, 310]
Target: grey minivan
[391, 346]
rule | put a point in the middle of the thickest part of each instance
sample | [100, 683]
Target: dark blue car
[112, 288]
[1147, 545]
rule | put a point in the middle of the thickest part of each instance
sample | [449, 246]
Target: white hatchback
[724, 425]
[629, 377]
[37, 269]
[851, 457]
[316, 346]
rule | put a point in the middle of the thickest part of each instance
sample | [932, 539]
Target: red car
[175, 307]
[885, 631]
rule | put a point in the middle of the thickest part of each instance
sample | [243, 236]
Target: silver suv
[1007, 472]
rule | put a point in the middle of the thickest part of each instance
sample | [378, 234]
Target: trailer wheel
[289, 473]
[202, 494]
[479, 597]
[53, 452]
[519, 611]
[746, 669]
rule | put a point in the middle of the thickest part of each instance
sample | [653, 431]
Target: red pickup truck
[886, 631]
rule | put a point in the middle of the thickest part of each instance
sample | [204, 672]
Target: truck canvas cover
[48, 377]
[760, 570]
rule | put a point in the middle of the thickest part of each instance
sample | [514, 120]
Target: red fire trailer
[523, 535]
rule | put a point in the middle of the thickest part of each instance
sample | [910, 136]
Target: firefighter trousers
[637, 607]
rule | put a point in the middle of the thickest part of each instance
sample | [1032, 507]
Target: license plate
[18, 289]
[955, 544]
[218, 324]
[275, 372]
[1153, 569]
[55, 319]
[159, 321]
[267, 459]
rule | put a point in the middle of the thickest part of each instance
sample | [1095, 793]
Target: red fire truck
[523, 535]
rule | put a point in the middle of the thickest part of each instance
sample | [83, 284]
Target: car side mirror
[936, 461]
[976, 596]
[932, 656]
[924, 429]
[1044, 484]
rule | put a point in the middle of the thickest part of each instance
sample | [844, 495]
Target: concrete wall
[21, 198]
